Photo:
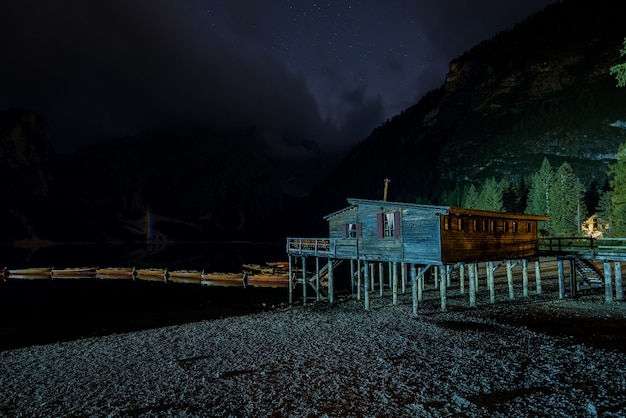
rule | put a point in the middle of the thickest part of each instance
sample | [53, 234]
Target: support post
[304, 281]
[462, 278]
[443, 288]
[476, 276]
[525, 278]
[331, 282]
[381, 277]
[509, 279]
[448, 277]
[290, 282]
[619, 287]
[317, 281]
[608, 283]
[358, 280]
[414, 289]
[491, 282]
[538, 276]
[390, 275]
[372, 277]
[403, 267]
[395, 284]
[352, 277]
[366, 285]
[436, 276]
[420, 284]
[561, 279]
[472, 285]
[572, 277]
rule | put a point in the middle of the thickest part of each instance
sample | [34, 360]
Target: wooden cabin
[380, 230]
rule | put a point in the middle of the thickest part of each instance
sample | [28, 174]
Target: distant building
[594, 227]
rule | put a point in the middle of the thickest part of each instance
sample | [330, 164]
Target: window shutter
[396, 225]
[379, 225]
[359, 228]
[344, 231]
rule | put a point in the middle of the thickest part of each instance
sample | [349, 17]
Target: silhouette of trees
[619, 70]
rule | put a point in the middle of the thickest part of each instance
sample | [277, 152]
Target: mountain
[540, 89]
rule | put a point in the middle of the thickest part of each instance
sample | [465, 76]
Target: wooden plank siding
[427, 234]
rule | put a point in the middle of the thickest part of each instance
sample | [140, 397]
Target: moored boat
[222, 276]
[74, 272]
[30, 273]
[115, 272]
[184, 276]
[154, 274]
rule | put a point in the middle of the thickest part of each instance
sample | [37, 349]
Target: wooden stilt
[619, 287]
[538, 276]
[443, 288]
[472, 285]
[390, 275]
[358, 280]
[352, 277]
[331, 282]
[403, 267]
[572, 278]
[561, 279]
[304, 281]
[366, 285]
[462, 278]
[448, 277]
[491, 282]
[420, 284]
[476, 276]
[436, 276]
[372, 276]
[290, 282]
[608, 283]
[317, 281]
[395, 284]
[381, 277]
[525, 278]
[414, 289]
[509, 279]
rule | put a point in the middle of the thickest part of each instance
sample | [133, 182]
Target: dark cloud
[327, 72]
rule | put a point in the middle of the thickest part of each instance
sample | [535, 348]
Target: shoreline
[333, 360]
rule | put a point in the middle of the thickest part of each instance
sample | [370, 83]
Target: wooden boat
[154, 274]
[74, 272]
[222, 276]
[30, 273]
[269, 278]
[281, 265]
[184, 276]
[115, 272]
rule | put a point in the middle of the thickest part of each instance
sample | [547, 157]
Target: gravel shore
[330, 360]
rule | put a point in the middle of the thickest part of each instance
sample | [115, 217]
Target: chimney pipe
[386, 189]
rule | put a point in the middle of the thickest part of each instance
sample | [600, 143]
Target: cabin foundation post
[472, 285]
[317, 281]
[358, 280]
[381, 277]
[414, 289]
[372, 276]
[476, 276]
[443, 288]
[448, 276]
[366, 285]
[561, 279]
[538, 276]
[404, 273]
[304, 281]
[524, 278]
[390, 275]
[436, 276]
[462, 278]
[572, 278]
[290, 282]
[331, 282]
[619, 287]
[394, 286]
[420, 284]
[608, 285]
[352, 277]
[491, 282]
[509, 279]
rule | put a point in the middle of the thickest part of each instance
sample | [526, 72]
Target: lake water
[45, 311]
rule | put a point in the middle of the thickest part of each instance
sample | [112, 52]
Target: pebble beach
[327, 360]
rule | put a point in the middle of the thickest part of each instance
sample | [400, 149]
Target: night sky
[327, 71]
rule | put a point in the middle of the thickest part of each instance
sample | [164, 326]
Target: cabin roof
[442, 210]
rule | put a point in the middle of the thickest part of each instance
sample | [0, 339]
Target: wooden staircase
[592, 277]
[321, 279]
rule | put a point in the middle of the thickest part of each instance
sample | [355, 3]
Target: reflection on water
[45, 310]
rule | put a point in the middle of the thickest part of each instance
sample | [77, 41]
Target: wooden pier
[398, 245]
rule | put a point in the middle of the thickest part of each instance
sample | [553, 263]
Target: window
[492, 226]
[529, 227]
[475, 225]
[352, 230]
[514, 227]
[459, 224]
[446, 223]
[505, 226]
[484, 225]
[388, 224]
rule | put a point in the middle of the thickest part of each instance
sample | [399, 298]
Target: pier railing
[323, 247]
[585, 246]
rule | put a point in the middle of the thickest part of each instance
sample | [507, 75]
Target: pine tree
[538, 201]
[617, 194]
[470, 199]
[490, 196]
[566, 205]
